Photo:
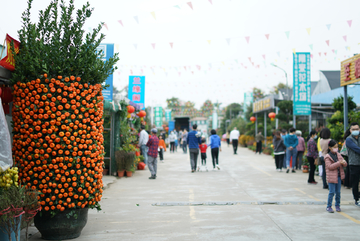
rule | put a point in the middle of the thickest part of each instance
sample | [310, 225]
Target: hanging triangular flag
[105, 25]
[333, 50]
[287, 34]
[228, 41]
[198, 67]
[136, 19]
[344, 37]
[249, 59]
[177, 6]
[179, 73]
[210, 1]
[349, 22]
[247, 39]
[171, 45]
[294, 51]
[308, 30]
[328, 26]
[121, 23]
[153, 14]
[263, 56]
[325, 53]
[320, 54]
[236, 61]
[209, 41]
[190, 5]
[210, 65]
[311, 56]
[328, 42]
[185, 67]
[348, 48]
[311, 46]
[153, 45]
[267, 36]
[278, 53]
[223, 62]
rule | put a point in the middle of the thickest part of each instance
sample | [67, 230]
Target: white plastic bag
[5, 144]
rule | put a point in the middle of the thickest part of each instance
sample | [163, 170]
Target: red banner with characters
[8, 61]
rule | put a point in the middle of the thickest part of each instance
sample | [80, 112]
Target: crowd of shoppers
[336, 167]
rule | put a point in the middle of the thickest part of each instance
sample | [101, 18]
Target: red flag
[121, 23]
[328, 42]
[247, 39]
[171, 44]
[8, 61]
[349, 22]
[267, 36]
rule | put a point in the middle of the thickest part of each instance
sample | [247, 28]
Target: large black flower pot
[62, 225]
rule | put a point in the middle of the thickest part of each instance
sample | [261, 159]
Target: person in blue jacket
[193, 140]
[291, 142]
[215, 145]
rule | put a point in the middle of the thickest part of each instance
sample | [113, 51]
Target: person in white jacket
[172, 138]
[234, 139]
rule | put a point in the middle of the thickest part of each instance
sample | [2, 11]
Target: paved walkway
[246, 200]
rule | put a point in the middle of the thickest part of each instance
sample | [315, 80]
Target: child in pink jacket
[334, 164]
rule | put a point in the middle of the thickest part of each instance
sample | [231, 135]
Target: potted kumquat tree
[58, 116]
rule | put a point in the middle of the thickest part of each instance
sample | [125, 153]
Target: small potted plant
[120, 156]
[305, 165]
[130, 164]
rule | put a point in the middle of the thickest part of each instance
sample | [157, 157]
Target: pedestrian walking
[353, 148]
[184, 142]
[215, 145]
[228, 138]
[172, 138]
[259, 139]
[194, 140]
[334, 164]
[300, 149]
[324, 141]
[143, 139]
[291, 142]
[283, 134]
[312, 154]
[153, 145]
[279, 151]
[162, 148]
[234, 138]
[203, 147]
[344, 153]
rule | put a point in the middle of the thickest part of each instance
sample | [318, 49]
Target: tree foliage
[258, 94]
[338, 103]
[57, 45]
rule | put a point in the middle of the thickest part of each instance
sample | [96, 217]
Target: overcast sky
[220, 48]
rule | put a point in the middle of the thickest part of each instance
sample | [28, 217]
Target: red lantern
[141, 114]
[130, 109]
[252, 119]
[272, 115]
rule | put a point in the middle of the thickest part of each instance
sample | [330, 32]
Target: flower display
[58, 140]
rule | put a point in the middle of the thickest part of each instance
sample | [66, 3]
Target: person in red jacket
[334, 164]
[203, 148]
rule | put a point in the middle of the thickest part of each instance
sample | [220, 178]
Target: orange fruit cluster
[58, 141]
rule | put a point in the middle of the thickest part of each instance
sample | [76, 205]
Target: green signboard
[158, 114]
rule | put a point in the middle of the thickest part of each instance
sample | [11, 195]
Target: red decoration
[272, 115]
[167, 128]
[130, 109]
[0, 92]
[141, 113]
[6, 95]
[141, 166]
[252, 119]
[137, 153]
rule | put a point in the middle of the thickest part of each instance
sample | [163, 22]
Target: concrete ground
[246, 200]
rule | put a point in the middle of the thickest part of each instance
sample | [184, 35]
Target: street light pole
[287, 86]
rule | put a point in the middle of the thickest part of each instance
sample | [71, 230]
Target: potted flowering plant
[58, 116]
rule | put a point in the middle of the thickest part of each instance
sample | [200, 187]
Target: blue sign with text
[108, 50]
[302, 84]
[137, 90]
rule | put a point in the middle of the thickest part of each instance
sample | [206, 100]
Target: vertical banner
[214, 120]
[302, 84]
[168, 115]
[248, 99]
[108, 50]
[158, 114]
[136, 91]
[171, 126]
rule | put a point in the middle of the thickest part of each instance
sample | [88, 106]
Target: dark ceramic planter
[60, 227]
